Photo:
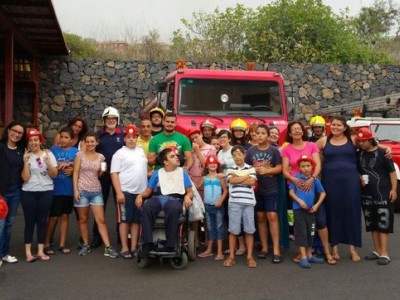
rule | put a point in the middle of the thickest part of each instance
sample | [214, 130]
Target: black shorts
[267, 203]
[304, 228]
[128, 212]
[62, 205]
[378, 216]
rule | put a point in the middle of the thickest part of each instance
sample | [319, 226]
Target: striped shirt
[241, 193]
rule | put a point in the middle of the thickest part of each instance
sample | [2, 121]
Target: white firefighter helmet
[110, 112]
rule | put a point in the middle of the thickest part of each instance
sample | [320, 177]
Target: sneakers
[85, 250]
[110, 252]
[10, 259]
[304, 263]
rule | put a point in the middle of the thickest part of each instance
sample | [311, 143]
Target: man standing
[156, 116]
[145, 136]
[317, 124]
[111, 139]
[169, 138]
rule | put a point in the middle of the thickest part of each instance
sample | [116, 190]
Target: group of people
[245, 178]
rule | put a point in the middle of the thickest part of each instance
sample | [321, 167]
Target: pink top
[89, 173]
[196, 171]
[294, 155]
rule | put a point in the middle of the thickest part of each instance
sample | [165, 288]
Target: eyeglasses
[17, 132]
[39, 162]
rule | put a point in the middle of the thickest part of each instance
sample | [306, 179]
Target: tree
[285, 31]
[79, 47]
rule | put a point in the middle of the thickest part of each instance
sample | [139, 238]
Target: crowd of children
[238, 173]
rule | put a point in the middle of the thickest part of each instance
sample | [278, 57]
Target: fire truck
[222, 96]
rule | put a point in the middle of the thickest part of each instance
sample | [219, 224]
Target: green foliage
[283, 31]
[79, 47]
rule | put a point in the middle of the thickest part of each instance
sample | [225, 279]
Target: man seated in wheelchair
[168, 188]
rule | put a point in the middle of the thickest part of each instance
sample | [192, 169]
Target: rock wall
[85, 87]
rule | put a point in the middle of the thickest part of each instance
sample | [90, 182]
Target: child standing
[63, 197]
[87, 192]
[129, 178]
[241, 180]
[267, 162]
[215, 192]
[304, 211]
[379, 191]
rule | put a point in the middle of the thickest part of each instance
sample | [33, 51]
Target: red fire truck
[222, 96]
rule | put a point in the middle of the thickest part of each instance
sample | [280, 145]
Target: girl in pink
[87, 192]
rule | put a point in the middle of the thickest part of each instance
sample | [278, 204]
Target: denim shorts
[239, 213]
[89, 198]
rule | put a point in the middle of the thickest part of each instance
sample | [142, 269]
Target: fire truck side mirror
[162, 87]
[290, 106]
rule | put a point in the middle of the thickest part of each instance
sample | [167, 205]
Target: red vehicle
[223, 96]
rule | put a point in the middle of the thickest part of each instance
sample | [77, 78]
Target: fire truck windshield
[223, 97]
[386, 132]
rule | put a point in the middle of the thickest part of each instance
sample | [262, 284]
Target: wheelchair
[185, 249]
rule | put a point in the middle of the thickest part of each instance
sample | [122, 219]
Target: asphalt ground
[97, 277]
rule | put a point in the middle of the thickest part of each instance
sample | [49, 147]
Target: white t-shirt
[40, 179]
[131, 164]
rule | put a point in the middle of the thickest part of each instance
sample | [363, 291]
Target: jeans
[215, 222]
[12, 198]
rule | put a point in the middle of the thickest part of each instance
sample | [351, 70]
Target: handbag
[196, 211]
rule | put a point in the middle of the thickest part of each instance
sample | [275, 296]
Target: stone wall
[85, 87]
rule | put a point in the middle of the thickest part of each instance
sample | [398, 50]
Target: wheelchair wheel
[191, 245]
[179, 263]
[142, 263]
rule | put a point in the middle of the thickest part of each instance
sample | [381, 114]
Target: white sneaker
[10, 259]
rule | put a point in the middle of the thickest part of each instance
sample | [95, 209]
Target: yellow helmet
[157, 110]
[317, 121]
[239, 124]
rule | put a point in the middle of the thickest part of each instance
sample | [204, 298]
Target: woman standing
[299, 145]
[40, 167]
[79, 128]
[12, 145]
[341, 181]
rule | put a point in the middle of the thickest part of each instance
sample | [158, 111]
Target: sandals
[297, 258]
[276, 259]
[262, 255]
[64, 250]
[335, 254]
[126, 255]
[49, 251]
[229, 262]
[251, 263]
[304, 263]
[43, 257]
[372, 256]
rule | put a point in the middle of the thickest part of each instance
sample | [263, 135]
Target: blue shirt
[307, 197]
[63, 183]
[109, 143]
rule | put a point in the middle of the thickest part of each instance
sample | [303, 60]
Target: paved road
[97, 277]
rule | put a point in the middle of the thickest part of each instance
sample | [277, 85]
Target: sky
[131, 19]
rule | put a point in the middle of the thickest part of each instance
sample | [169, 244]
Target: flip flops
[219, 257]
[276, 259]
[262, 254]
[205, 254]
[31, 259]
